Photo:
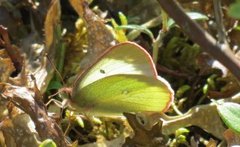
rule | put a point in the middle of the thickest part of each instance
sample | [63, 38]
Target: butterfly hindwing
[123, 93]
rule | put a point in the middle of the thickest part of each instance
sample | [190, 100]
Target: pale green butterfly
[123, 79]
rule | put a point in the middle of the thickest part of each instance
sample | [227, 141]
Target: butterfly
[123, 79]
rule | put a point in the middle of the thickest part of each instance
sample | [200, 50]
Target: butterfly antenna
[55, 68]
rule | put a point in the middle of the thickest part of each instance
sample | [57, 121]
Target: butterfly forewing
[125, 58]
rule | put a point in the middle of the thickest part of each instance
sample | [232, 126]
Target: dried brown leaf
[142, 136]
[12, 51]
[203, 116]
[51, 21]
[6, 66]
[212, 143]
[25, 99]
[2, 140]
[77, 5]
[19, 130]
[99, 37]
[232, 138]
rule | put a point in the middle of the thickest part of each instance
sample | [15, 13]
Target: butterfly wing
[124, 58]
[123, 79]
[123, 93]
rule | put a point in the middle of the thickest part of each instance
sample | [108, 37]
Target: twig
[220, 52]
[171, 72]
[222, 38]
[55, 68]
[155, 45]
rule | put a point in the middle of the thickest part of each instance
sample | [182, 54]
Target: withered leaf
[19, 131]
[12, 51]
[143, 137]
[6, 66]
[51, 21]
[232, 138]
[211, 143]
[196, 116]
[26, 100]
[99, 37]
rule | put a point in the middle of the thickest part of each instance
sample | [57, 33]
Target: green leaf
[234, 10]
[230, 114]
[123, 18]
[181, 131]
[80, 121]
[192, 15]
[54, 85]
[237, 28]
[123, 79]
[48, 143]
[118, 34]
[139, 28]
[181, 90]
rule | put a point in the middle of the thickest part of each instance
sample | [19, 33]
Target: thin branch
[171, 72]
[220, 52]
[222, 37]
